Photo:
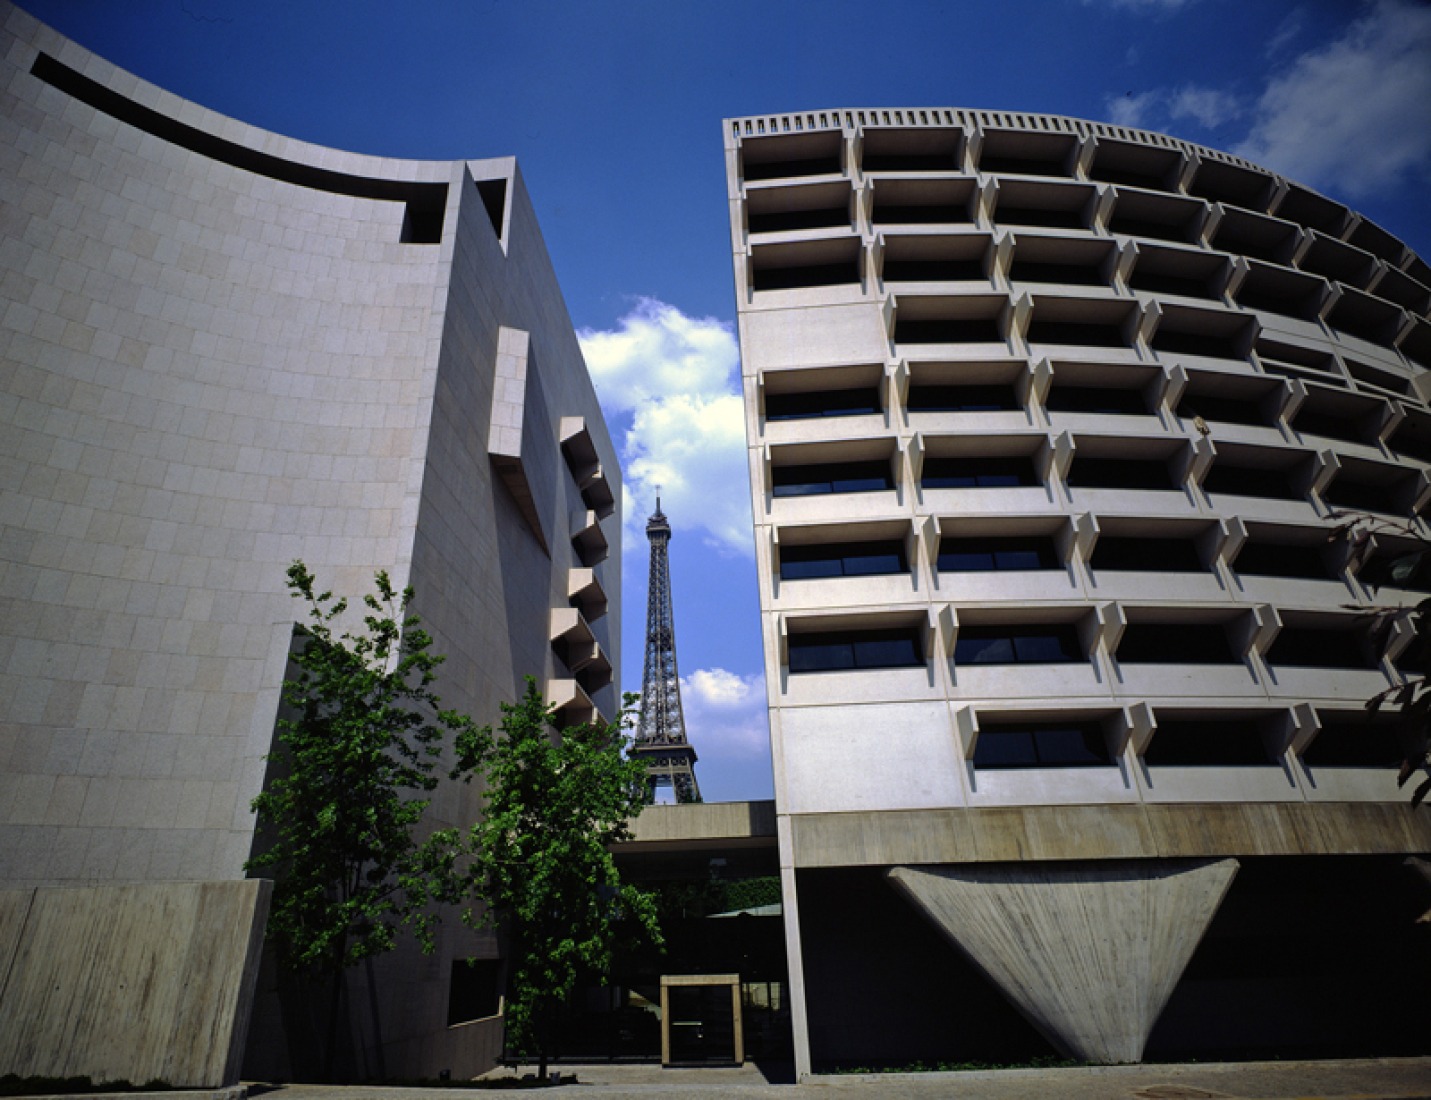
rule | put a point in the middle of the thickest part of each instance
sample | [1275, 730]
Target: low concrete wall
[134, 982]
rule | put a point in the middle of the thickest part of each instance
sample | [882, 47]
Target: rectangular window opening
[978, 472]
[843, 559]
[853, 650]
[1042, 745]
[1009, 644]
[998, 553]
[1147, 555]
[1213, 743]
[1175, 644]
[818, 478]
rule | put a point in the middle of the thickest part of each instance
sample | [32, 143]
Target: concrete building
[1046, 418]
[224, 350]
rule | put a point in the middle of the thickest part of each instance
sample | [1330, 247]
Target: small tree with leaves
[1412, 697]
[354, 760]
[541, 859]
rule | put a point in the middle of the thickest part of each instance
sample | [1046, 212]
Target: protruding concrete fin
[1088, 952]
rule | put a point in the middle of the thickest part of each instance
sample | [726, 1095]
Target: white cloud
[1207, 105]
[656, 352]
[1286, 32]
[1153, 109]
[1132, 110]
[725, 713]
[674, 381]
[1354, 114]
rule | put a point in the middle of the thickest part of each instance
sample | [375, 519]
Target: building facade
[1046, 420]
[225, 350]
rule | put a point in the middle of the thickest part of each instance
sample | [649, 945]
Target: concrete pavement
[1361, 1079]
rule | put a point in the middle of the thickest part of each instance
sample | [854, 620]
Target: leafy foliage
[356, 754]
[540, 858]
[1413, 696]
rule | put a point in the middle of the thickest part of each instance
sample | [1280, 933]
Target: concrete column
[1088, 952]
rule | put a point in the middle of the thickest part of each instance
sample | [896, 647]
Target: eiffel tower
[661, 732]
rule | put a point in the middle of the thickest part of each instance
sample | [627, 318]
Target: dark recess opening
[1147, 555]
[1206, 744]
[494, 201]
[474, 992]
[425, 201]
[1175, 644]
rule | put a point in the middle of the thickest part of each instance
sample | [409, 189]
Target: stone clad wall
[224, 350]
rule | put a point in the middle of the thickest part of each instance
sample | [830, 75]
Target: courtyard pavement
[1362, 1079]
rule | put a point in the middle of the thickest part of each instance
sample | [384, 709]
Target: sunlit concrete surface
[1047, 421]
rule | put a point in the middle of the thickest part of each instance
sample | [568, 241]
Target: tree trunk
[335, 1004]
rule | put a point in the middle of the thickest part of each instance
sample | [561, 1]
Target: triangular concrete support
[1088, 952]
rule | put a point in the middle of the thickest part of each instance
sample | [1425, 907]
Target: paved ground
[1374, 1079]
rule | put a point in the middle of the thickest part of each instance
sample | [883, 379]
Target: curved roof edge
[32, 40]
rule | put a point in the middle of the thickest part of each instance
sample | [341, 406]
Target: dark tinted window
[978, 471]
[1016, 645]
[1282, 559]
[985, 398]
[1305, 647]
[1175, 644]
[799, 406]
[1206, 744]
[1119, 473]
[1250, 481]
[856, 649]
[1096, 399]
[1147, 555]
[983, 555]
[1041, 745]
[831, 477]
[1355, 745]
[843, 559]
[1228, 410]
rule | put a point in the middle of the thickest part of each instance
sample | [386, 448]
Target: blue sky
[613, 111]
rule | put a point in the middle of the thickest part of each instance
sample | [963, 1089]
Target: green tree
[354, 760]
[1411, 570]
[540, 858]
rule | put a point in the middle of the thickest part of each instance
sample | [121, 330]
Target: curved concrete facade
[1046, 422]
[225, 350]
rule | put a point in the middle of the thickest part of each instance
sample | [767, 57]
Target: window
[997, 554]
[1096, 399]
[1119, 473]
[978, 471]
[1007, 644]
[1367, 496]
[1206, 743]
[977, 398]
[1041, 745]
[1412, 569]
[1147, 555]
[817, 403]
[1320, 647]
[1226, 410]
[842, 559]
[473, 992]
[1355, 745]
[1250, 481]
[1073, 332]
[1283, 559]
[952, 330]
[1175, 644]
[845, 650]
[817, 478]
